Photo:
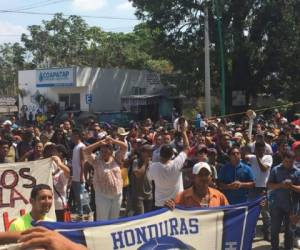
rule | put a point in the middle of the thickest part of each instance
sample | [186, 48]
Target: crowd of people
[114, 171]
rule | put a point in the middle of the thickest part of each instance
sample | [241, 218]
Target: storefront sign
[60, 77]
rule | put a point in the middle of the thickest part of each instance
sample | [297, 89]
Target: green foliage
[261, 40]
[11, 60]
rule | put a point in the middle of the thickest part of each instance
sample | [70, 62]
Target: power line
[32, 5]
[42, 5]
[68, 15]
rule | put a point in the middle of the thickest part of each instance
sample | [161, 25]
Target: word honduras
[224, 228]
[139, 235]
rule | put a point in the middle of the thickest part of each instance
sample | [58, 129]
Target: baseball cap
[200, 165]
[7, 122]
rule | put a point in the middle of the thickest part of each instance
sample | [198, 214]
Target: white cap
[7, 122]
[200, 165]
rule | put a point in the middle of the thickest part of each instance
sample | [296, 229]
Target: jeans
[107, 208]
[278, 216]
[254, 194]
[139, 206]
[78, 189]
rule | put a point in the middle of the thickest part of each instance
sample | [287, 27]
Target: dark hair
[146, 148]
[62, 149]
[37, 188]
[260, 145]
[288, 154]
[166, 152]
[50, 150]
[281, 142]
[4, 142]
[108, 146]
[76, 131]
[233, 148]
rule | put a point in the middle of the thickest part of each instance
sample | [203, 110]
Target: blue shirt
[229, 174]
[284, 198]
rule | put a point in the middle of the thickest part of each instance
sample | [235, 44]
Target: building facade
[94, 90]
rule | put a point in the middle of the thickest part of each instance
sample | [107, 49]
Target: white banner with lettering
[16, 182]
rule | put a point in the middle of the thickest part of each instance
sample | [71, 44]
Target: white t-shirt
[156, 155]
[76, 162]
[261, 177]
[167, 179]
[268, 148]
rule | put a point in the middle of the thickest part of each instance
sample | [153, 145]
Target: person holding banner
[9, 237]
[40, 237]
[107, 180]
[41, 199]
[200, 194]
[166, 173]
[236, 178]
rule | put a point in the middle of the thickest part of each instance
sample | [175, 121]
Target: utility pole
[207, 64]
[222, 63]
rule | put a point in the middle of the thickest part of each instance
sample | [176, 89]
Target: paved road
[259, 243]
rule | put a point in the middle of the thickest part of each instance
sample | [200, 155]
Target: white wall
[27, 81]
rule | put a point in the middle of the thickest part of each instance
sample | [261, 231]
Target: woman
[60, 175]
[107, 176]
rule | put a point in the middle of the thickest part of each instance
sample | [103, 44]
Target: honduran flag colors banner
[226, 228]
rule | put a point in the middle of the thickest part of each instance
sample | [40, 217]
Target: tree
[260, 38]
[60, 41]
[11, 60]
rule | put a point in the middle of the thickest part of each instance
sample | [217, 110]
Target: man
[48, 130]
[166, 173]
[4, 150]
[236, 178]
[282, 149]
[41, 198]
[261, 165]
[6, 127]
[261, 139]
[200, 194]
[284, 181]
[77, 170]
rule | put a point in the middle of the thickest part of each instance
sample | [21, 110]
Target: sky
[12, 25]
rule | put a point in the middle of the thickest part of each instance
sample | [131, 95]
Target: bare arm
[224, 186]
[263, 168]
[91, 148]
[274, 186]
[38, 237]
[186, 144]
[62, 166]
[250, 184]
[81, 165]
[295, 188]
[9, 237]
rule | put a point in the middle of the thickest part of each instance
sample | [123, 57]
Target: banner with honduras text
[16, 183]
[227, 228]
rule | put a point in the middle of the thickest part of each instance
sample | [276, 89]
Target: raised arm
[91, 148]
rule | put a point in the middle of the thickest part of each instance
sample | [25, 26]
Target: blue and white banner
[226, 228]
[55, 77]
